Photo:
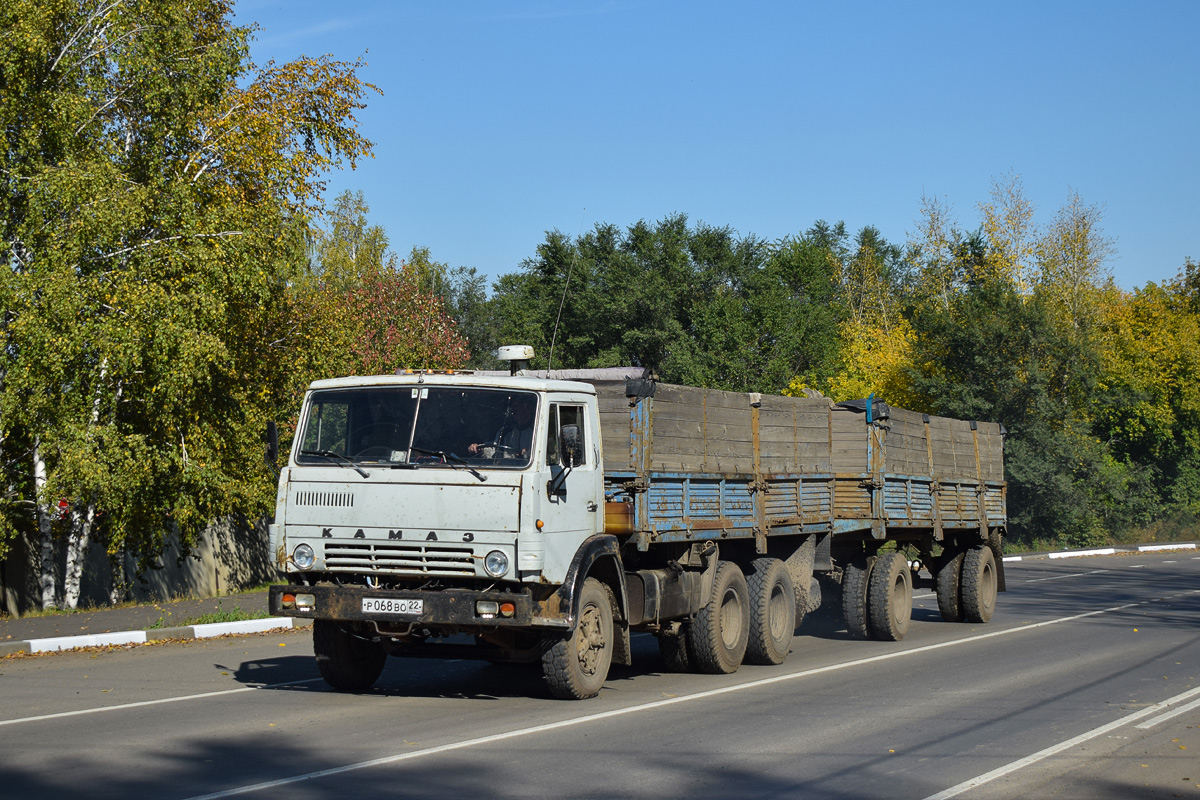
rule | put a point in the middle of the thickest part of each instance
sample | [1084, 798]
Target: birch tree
[155, 188]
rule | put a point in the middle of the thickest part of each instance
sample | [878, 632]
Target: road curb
[204, 631]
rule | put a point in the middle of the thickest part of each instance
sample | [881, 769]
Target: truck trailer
[544, 517]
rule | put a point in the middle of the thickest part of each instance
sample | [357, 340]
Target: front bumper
[447, 608]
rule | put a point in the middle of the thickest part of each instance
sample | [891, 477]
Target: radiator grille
[413, 558]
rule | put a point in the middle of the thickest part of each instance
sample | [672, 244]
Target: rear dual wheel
[967, 583]
[772, 612]
[877, 597]
[889, 597]
[979, 584]
[719, 633]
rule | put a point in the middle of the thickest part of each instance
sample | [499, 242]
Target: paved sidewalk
[121, 625]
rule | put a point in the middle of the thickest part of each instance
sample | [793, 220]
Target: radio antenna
[563, 300]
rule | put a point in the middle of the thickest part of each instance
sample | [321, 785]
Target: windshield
[419, 425]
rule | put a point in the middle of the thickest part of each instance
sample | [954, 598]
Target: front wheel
[577, 666]
[347, 662]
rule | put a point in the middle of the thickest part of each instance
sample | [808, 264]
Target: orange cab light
[540, 524]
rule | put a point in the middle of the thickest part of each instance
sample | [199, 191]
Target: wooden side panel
[615, 428]
[701, 430]
[849, 432]
[793, 435]
[904, 445]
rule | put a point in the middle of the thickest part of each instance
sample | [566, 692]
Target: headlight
[495, 564]
[303, 556]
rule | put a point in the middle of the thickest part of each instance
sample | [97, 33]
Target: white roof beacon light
[518, 356]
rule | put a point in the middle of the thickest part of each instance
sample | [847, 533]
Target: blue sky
[502, 120]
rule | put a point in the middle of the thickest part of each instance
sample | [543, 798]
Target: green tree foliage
[694, 304]
[154, 189]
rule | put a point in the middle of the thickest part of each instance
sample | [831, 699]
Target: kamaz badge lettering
[395, 534]
[468, 537]
[358, 534]
[326, 533]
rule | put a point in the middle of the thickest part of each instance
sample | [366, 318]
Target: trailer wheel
[854, 596]
[979, 584]
[720, 631]
[949, 587]
[772, 612]
[347, 662]
[673, 649]
[577, 666]
[889, 597]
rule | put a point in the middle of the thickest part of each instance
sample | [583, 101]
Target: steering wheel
[513, 452]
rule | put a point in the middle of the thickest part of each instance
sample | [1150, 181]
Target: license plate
[391, 605]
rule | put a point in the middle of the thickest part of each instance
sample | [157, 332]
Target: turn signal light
[288, 601]
[507, 609]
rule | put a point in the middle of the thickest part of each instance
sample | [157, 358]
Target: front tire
[720, 632]
[772, 612]
[347, 662]
[889, 597]
[979, 584]
[577, 666]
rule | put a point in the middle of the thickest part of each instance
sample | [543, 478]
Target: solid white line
[1103, 551]
[144, 703]
[1011, 558]
[498, 737]
[1136, 566]
[1144, 548]
[1020, 763]
[1068, 575]
[1150, 723]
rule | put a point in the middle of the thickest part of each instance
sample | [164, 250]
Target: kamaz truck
[545, 517]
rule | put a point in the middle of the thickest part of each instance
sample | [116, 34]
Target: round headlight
[303, 556]
[495, 564]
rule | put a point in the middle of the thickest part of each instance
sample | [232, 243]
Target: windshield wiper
[458, 462]
[349, 462]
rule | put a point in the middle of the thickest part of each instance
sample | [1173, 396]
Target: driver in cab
[514, 438]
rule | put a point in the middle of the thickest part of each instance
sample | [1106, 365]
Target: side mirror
[271, 437]
[572, 447]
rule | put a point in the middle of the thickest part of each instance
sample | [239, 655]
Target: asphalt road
[1085, 684]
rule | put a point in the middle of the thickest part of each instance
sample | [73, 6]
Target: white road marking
[619, 712]
[1020, 763]
[1069, 575]
[143, 703]
[1143, 548]
[1136, 566]
[1150, 723]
